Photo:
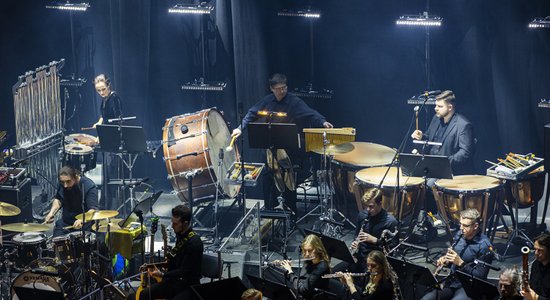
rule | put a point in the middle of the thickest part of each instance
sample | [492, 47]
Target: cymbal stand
[516, 232]
[332, 227]
[130, 166]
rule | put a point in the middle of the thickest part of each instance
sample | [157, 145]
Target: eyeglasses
[466, 225]
[281, 88]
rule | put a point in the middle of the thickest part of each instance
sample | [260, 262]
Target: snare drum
[82, 139]
[61, 281]
[192, 142]
[80, 245]
[412, 189]
[78, 156]
[344, 167]
[467, 191]
[28, 244]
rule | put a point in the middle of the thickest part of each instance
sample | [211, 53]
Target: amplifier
[20, 196]
[11, 176]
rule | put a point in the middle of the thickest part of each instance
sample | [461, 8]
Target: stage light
[201, 85]
[193, 9]
[540, 23]
[306, 13]
[424, 20]
[68, 6]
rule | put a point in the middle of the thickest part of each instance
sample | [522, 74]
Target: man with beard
[539, 277]
[72, 187]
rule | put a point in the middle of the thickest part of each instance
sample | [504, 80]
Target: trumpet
[340, 275]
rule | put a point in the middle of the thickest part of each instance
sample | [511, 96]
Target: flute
[340, 275]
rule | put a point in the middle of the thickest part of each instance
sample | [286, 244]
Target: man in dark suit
[455, 133]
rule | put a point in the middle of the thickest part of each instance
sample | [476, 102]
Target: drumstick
[230, 147]
[517, 162]
[87, 128]
[68, 227]
[507, 164]
[492, 163]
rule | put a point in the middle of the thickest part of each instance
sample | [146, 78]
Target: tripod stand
[329, 226]
[127, 142]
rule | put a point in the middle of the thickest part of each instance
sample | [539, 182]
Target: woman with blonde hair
[316, 264]
[379, 285]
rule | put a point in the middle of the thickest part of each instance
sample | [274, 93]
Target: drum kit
[55, 267]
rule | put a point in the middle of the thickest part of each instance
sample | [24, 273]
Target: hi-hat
[335, 149]
[25, 227]
[8, 210]
[98, 215]
[113, 223]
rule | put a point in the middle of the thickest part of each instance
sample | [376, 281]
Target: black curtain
[498, 68]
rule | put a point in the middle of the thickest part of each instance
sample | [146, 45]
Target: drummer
[69, 197]
[296, 111]
[111, 108]
[455, 133]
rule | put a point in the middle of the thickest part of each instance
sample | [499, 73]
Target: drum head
[62, 283]
[219, 138]
[29, 238]
[82, 139]
[468, 183]
[78, 149]
[373, 176]
[366, 155]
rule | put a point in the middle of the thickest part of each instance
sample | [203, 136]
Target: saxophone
[393, 276]
[525, 274]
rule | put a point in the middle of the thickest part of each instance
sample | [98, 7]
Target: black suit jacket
[458, 143]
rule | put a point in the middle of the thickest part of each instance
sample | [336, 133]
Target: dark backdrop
[498, 68]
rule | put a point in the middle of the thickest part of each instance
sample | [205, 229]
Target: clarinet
[354, 251]
[440, 267]
[397, 295]
[525, 274]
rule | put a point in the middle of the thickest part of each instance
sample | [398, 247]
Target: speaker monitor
[19, 196]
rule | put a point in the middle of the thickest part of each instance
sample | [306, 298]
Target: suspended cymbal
[98, 215]
[336, 149]
[25, 227]
[8, 210]
[366, 155]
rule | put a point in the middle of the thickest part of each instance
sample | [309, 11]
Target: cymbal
[25, 227]
[336, 149]
[8, 210]
[98, 215]
[366, 155]
[113, 223]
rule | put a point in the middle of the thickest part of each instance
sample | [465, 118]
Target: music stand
[117, 139]
[270, 289]
[143, 206]
[335, 248]
[232, 288]
[428, 166]
[476, 288]
[413, 273]
[273, 136]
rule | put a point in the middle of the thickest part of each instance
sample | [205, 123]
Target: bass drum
[192, 143]
[61, 280]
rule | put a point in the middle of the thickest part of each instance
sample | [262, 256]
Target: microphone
[420, 248]
[416, 108]
[488, 265]
[431, 93]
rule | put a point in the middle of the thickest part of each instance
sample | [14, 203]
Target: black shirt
[439, 134]
[469, 251]
[305, 284]
[297, 110]
[374, 226]
[384, 291]
[184, 266]
[71, 200]
[539, 279]
[111, 108]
